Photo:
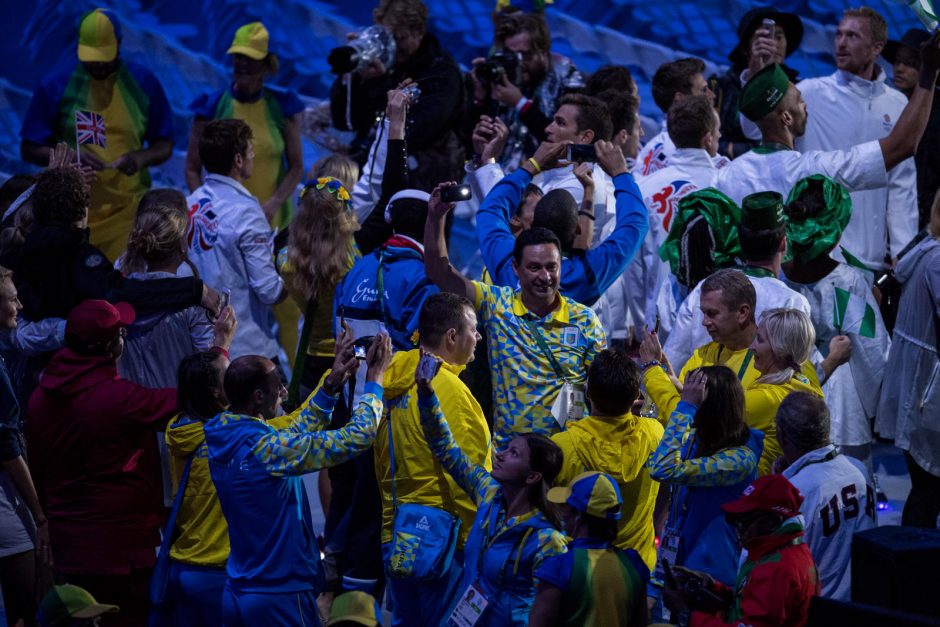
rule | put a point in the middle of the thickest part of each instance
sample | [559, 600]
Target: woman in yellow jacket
[779, 353]
[200, 551]
[783, 344]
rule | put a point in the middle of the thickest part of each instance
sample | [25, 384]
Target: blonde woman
[784, 341]
[338, 166]
[319, 252]
[158, 340]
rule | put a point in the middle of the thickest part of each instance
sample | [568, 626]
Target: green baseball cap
[63, 603]
[763, 211]
[763, 92]
[812, 235]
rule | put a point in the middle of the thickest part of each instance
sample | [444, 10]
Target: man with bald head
[772, 102]
[274, 565]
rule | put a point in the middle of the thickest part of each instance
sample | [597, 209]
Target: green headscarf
[722, 215]
[811, 236]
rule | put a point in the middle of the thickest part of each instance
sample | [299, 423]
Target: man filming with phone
[585, 275]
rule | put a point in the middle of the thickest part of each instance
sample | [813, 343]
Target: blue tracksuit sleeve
[496, 240]
[472, 478]
[610, 258]
[296, 451]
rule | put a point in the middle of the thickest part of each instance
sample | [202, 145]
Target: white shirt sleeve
[484, 179]
[859, 168]
[368, 189]
[902, 205]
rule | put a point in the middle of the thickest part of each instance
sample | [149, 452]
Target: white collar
[227, 180]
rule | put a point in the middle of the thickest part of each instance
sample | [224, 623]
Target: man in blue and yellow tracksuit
[274, 570]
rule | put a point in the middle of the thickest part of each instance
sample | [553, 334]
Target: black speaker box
[897, 567]
[832, 613]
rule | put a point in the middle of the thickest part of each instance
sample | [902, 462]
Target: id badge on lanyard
[669, 551]
[469, 609]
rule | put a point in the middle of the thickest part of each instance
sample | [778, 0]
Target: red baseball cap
[772, 493]
[97, 320]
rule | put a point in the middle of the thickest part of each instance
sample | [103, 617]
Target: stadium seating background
[184, 42]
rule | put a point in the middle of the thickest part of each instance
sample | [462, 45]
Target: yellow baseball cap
[252, 40]
[593, 493]
[99, 34]
[355, 607]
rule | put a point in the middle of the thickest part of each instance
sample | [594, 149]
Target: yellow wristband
[535, 164]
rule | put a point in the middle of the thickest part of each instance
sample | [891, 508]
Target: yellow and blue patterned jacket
[524, 383]
[256, 471]
[502, 554]
[700, 485]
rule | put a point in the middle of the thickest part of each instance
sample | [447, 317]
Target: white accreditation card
[469, 609]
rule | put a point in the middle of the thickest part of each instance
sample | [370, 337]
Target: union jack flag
[89, 128]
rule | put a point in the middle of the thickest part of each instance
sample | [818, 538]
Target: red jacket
[92, 445]
[774, 586]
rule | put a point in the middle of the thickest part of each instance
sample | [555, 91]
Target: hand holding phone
[456, 193]
[581, 153]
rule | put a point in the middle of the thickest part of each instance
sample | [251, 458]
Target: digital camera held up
[374, 42]
[412, 92]
[500, 63]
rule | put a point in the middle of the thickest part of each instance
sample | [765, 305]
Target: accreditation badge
[570, 336]
[469, 609]
[668, 552]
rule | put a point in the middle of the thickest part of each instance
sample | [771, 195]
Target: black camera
[700, 597]
[499, 64]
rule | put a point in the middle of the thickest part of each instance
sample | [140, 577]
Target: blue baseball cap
[593, 493]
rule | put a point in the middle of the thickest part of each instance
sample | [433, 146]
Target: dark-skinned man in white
[775, 104]
[540, 343]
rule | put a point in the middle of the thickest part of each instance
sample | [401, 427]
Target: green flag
[853, 315]
[854, 261]
[923, 9]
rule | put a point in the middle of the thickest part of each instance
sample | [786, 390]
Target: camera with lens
[699, 596]
[499, 64]
[412, 92]
[374, 42]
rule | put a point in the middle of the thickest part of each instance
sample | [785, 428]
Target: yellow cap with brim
[252, 40]
[764, 92]
[592, 493]
[355, 607]
[99, 34]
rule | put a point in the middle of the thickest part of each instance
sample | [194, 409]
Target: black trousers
[923, 503]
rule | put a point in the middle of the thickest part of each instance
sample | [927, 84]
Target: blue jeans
[420, 603]
[278, 609]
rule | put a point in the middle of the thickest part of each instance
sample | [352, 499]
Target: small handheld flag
[852, 314]
[89, 129]
[925, 12]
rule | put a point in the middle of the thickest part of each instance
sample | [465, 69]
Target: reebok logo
[423, 524]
